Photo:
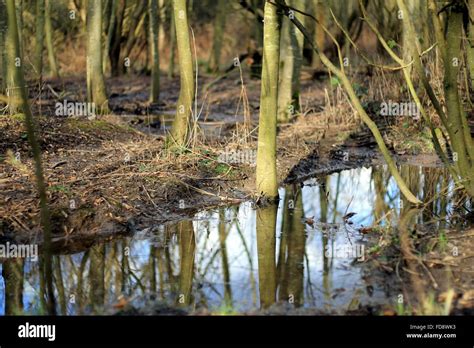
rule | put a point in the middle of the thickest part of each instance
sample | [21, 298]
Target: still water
[305, 254]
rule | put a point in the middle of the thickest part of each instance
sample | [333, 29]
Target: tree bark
[96, 90]
[39, 45]
[266, 153]
[178, 136]
[53, 66]
[154, 50]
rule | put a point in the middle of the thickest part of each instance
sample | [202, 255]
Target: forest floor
[110, 175]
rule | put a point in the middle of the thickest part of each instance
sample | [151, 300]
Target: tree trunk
[116, 39]
[219, 28]
[266, 153]
[53, 66]
[39, 37]
[96, 91]
[172, 43]
[3, 58]
[291, 56]
[154, 51]
[470, 44]
[16, 83]
[179, 132]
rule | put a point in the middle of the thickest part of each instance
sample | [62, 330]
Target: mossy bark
[266, 154]
[96, 91]
[178, 136]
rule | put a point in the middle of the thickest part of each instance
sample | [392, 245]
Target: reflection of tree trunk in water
[169, 263]
[187, 246]
[48, 302]
[12, 273]
[323, 202]
[249, 257]
[58, 277]
[225, 260]
[266, 243]
[406, 221]
[288, 210]
[293, 275]
[161, 269]
[430, 182]
[80, 280]
[152, 268]
[380, 208]
[96, 276]
[336, 198]
[123, 268]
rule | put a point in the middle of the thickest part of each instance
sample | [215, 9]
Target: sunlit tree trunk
[291, 57]
[53, 66]
[39, 37]
[219, 28]
[154, 50]
[319, 38]
[179, 132]
[96, 91]
[460, 136]
[19, 16]
[266, 153]
[470, 43]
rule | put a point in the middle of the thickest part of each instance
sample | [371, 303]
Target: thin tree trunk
[116, 39]
[291, 56]
[3, 53]
[172, 43]
[179, 132]
[16, 82]
[53, 66]
[154, 51]
[110, 34]
[96, 90]
[266, 153]
[219, 28]
[39, 37]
